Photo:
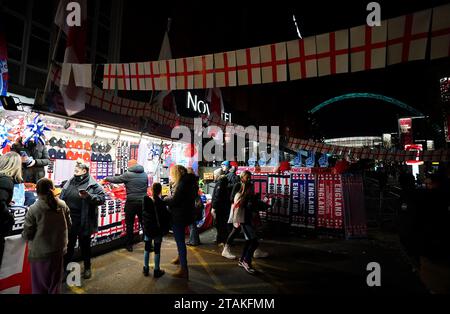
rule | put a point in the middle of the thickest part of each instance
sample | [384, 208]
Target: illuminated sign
[202, 107]
[208, 176]
[417, 148]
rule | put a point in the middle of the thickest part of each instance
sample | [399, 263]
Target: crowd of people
[56, 221]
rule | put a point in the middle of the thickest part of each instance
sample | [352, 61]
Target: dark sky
[215, 26]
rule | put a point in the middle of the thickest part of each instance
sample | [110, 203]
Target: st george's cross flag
[164, 99]
[151, 75]
[225, 69]
[123, 77]
[137, 76]
[204, 71]
[248, 66]
[15, 272]
[273, 63]
[368, 47]
[440, 32]
[185, 73]
[302, 58]
[167, 75]
[332, 52]
[408, 37]
[74, 97]
[109, 76]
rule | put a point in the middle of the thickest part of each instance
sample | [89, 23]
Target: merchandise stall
[319, 200]
[105, 148]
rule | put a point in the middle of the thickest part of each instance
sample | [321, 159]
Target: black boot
[146, 271]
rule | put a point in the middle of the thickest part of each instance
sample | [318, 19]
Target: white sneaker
[227, 254]
[260, 254]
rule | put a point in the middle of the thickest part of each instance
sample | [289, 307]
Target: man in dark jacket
[221, 205]
[34, 159]
[82, 195]
[136, 183]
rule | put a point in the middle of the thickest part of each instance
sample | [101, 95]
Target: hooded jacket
[89, 210]
[136, 182]
[47, 230]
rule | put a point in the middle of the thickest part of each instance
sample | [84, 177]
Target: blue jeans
[156, 248]
[194, 238]
[178, 233]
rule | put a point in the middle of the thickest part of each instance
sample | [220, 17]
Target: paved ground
[296, 265]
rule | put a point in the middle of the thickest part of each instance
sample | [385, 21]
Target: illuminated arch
[393, 101]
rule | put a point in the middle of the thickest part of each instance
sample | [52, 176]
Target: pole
[52, 60]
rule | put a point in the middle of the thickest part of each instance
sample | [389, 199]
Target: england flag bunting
[400, 156]
[273, 63]
[66, 71]
[167, 75]
[302, 58]
[151, 76]
[440, 32]
[368, 47]
[225, 69]
[204, 72]
[332, 52]
[137, 76]
[82, 74]
[123, 76]
[248, 66]
[408, 37]
[185, 73]
[109, 76]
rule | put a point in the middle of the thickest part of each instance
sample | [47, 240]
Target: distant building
[358, 141]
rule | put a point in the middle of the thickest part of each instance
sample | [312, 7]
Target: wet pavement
[296, 265]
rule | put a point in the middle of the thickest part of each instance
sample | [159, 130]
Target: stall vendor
[34, 159]
[136, 183]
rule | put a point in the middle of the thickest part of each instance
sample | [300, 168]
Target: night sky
[203, 28]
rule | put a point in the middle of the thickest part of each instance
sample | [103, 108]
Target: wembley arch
[391, 100]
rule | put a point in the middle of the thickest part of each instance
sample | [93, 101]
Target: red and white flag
[123, 77]
[273, 63]
[440, 32]
[109, 76]
[368, 47]
[215, 100]
[185, 73]
[164, 100]
[408, 37]
[302, 58]
[225, 69]
[167, 75]
[248, 66]
[204, 72]
[137, 76]
[74, 97]
[332, 52]
[15, 273]
[151, 75]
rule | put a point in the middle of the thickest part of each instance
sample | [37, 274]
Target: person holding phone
[34, 158]
[82, 195]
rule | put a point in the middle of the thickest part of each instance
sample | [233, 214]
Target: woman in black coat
[156, 222]
[10, 173]
[181, 206]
